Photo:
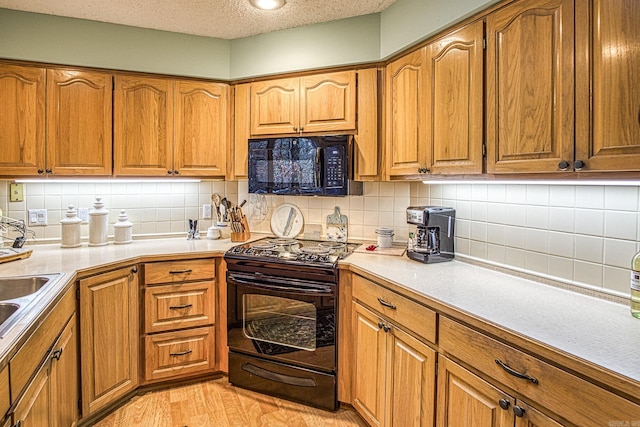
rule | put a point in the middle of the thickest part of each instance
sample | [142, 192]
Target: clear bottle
[635, 286]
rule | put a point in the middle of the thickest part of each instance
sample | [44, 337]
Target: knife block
[245, 235]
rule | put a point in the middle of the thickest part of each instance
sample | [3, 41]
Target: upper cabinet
[166, 127]
[454, 107]
[406, 142]
[608, 81]
[310, 104]
[22, 90]
[530, 86]
[76, 121]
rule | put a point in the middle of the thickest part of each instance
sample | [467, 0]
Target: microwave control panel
[334, 166]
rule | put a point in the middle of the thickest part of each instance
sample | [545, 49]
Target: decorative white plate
[287, 220]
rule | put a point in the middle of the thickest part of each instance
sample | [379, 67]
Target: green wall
[70, 41]
[342, 42]
[406, 22]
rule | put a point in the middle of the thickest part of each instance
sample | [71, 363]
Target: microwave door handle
[319, 167]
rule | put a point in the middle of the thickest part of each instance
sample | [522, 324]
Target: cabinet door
[64, 377]
[530, 86]
[533, 418]
[608, 136]
[78, 122]
[406, 149]
[466, 400]
[455, 69]
[328, 102]
[201, 128]
[369, 349]
[22, 91]
[34, 408]
[108, 337]
[275, 107]
[411, 373]
[143, 126]
[366, 157]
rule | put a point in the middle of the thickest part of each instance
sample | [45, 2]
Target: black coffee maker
[433, 240]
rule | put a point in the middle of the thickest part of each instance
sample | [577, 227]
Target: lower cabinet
[109, 337]
[466, 400]
[50, 398]
[394, 382]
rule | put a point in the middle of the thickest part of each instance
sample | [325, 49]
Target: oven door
[282, 319]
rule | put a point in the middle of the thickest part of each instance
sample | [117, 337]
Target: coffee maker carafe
[434, 236]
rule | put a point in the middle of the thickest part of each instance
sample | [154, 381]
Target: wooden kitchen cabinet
[465, 399]
[393, 372]
[109, 337]
[366, 161]
[530, 86]
[242, 130]
[309, 104]
[607, 85]
[44, 372]
[538, 383]
[179, 318]
[79, 119]
[22, 119]
[455, 101]
[147, 112]
[5, 400]
[407, 151]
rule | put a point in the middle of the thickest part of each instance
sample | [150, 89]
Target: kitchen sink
[18, 287]
[17, 293]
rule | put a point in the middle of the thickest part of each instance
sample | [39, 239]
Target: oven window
[281, 321]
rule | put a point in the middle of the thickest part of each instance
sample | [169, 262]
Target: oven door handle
[289, 289]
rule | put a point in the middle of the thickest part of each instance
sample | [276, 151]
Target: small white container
[98, 224]
[213, 233]
[71, 229]
[385, 237]
[122, 229]
[225, 230]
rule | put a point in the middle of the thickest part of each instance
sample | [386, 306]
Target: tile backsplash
[581, 235]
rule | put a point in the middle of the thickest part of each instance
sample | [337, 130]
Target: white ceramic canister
[122, 229]
[71, 229]
[98, 224]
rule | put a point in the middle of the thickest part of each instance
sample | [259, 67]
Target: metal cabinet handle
[504, 403]
[295, 128]
[178, 307]
[134, 270]
[578, 165]
[181, 353]
[176, 172]
[185, 271]
[386, 304]
[56, 354]
[515, 373]
[40, 172]
[48, 171]
[518, 411]
[384, 327]
[563, 165]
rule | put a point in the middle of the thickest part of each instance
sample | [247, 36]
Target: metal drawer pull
[386, 304]
[182, 353]
[178, 307]
[57, 354]
[516, 373]
[185, 271]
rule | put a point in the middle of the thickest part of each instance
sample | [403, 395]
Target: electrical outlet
[206, 211]
[37, 217]
[83, 214]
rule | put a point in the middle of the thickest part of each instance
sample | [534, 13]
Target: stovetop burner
[282, 250]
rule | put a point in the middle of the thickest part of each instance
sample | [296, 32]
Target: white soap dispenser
[98, 224]
[122, 229]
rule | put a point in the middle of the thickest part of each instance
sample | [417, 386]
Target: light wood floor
[218, 403]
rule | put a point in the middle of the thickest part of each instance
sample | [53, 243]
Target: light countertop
[600, 332]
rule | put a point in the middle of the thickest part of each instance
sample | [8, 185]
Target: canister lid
[71, 216]
[123, 220]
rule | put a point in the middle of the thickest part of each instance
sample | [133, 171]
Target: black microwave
[311, 165]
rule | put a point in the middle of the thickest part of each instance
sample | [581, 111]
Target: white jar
[70, 229]
[98, 224]
[122, 229]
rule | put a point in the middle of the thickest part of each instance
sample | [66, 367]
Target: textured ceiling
[226, 19]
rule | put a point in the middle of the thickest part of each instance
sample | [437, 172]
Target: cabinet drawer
[404, 312]
[178, 306]
[178, 271]
[575, 399]
[182, 353]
